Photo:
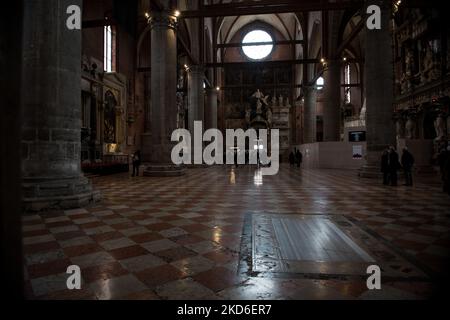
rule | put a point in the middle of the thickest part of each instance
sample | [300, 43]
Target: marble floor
[193, 237]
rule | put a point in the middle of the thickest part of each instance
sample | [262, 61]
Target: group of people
[391, 164]
[444, 166]
[295, 158]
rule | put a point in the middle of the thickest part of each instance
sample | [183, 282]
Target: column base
[48, 194]
[164, 170]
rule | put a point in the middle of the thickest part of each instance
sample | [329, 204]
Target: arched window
[320, 83]
[347, 80]
[109, 55]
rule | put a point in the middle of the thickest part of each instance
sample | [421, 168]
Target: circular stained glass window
[257, 51]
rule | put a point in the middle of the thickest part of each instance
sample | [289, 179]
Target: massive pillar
[11, 20]
[51, 117]
[332, 103]
[163, 103]
[196, 97]
[379, 90]
[211, 109]
[310, 115]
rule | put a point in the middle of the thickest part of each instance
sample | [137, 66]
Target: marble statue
[409, 63]
[429, 72]
[274, 100]
[261, 101]
[269, 116]
[258, 94]
[280, 101]
[439, 125]
[362, 113]
[264, 100]
[258, 107]
[247, 116]
[410, 128]
[400, 128]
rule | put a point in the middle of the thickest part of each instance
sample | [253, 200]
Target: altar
[265, 112]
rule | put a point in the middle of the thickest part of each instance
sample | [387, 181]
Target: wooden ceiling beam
[281, 42]
[269, 7]
[271, 63]
[356, 30]
[262, 63]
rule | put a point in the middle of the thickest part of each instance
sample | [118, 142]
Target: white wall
[331, 155]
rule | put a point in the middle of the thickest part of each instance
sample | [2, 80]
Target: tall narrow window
[347, 80]
[109, 47]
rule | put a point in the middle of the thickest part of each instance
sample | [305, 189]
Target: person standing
[385, 166]
[136, 160]
[291, 159]
[407, 164]
[394, 165]
[298, 158]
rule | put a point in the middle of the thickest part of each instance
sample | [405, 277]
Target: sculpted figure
[269, 116]
[439, 125]
[410, 128]
[247, 116]
[258, 107]
[400, 128]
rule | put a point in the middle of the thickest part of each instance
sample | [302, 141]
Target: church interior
[350, 86]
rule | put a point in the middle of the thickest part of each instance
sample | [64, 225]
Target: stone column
[11, 21]
[196, 96]
[378, 83]
[448, 128]
[332, 103]
[211, 109]
[163, 95]
[310, 115]
[51, 125]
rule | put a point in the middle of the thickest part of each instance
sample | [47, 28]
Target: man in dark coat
[385, 167]
[394, 165]
[291, 159]
[407, 164]
[298, 158]
[136, 163]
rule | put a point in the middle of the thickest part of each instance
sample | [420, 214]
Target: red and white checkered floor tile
[180, 237]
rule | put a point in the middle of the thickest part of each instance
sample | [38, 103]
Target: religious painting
[109, 122]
